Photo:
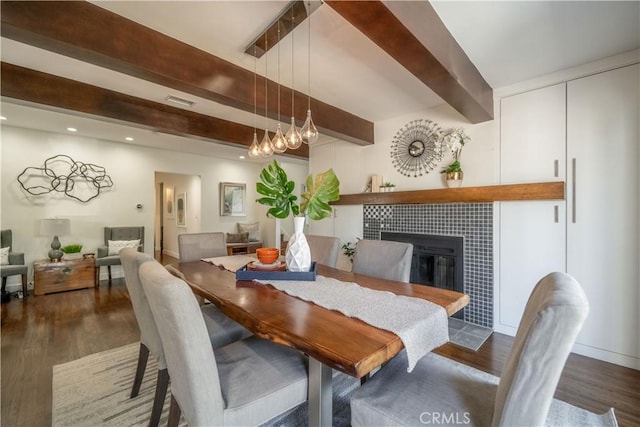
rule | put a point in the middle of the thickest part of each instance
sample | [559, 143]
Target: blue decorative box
[246, 274]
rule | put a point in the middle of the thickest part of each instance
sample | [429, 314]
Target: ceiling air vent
[180, 101]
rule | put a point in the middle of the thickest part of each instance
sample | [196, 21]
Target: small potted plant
[454, 140]
[349, 249]
[72, 251]
[387, 187]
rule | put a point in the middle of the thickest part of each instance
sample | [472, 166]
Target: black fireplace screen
[437, 260]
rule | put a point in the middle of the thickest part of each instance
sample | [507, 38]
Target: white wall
[132, 169]
[354, 165]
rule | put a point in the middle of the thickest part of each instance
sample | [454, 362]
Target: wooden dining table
[330, 339]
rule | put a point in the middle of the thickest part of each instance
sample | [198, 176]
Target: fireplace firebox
[437, 260]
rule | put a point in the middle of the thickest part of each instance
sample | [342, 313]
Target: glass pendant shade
[266, 149]
[278, 142]
[309, 132]
[293, 137]
[254, 149]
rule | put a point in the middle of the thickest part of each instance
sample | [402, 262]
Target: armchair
[15, 264]
[116, 238]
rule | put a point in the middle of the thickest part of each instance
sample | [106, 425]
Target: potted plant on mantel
[455, 140]
[277, 192]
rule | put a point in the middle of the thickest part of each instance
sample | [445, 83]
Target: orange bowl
[268, 255]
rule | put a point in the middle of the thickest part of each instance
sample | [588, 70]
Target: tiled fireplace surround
[472, 221]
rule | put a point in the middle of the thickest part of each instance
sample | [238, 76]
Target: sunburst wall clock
[417, 148]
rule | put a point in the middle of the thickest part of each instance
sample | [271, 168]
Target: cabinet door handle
[573, 191]
[556, 214]
[556, 168]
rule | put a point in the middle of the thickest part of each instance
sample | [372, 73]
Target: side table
[63, 275]
[243, 248]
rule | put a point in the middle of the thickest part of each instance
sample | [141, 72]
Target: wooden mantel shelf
[489, 193]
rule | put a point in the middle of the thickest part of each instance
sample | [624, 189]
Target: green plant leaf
[453, 167]
[72, 249]
[324, 189]
[277, 191]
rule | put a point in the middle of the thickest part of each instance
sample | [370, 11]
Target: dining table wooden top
[340, 342]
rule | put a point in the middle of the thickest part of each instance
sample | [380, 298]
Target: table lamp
[55, 227]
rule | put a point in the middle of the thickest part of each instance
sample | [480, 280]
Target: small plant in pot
[455, 140]
[72, 251]
[277, 191]
[387, 186]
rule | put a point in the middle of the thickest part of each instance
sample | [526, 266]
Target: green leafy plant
[72, 249]
[453, 167]
[277, 191]
[388, 184]
[349, 249]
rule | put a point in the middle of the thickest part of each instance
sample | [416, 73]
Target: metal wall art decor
[417, 148]
[78, 180]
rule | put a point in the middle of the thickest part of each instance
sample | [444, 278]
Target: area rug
[94, 391]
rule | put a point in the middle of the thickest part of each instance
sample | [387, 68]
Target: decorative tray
[246, 273]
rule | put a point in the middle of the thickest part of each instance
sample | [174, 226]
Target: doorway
[177, 210]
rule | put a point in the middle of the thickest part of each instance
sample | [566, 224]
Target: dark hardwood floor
[56, 328]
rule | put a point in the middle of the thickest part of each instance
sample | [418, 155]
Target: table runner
[231, 262]
[420, 324]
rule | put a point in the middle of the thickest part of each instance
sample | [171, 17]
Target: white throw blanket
[420, 324]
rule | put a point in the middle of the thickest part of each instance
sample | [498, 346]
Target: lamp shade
[55, 227]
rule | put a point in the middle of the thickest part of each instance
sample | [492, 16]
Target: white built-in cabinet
[532, 233]
[595, 121]
[603, 187]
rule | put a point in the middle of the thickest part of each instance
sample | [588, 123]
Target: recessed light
[180, 101]
[72, 129]
[3, 118]
[129, 138]
[242, 157]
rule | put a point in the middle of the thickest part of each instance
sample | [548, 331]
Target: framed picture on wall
[169, 202]
[232, 199]
[181, 210]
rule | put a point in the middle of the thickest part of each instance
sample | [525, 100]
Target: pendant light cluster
[293, 138]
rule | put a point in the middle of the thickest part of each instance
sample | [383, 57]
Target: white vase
[298, 253]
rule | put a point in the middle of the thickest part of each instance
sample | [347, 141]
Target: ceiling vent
[180, 101]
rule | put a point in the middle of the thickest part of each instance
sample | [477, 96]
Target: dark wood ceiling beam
[92, 34]
[440, 64]
[35, 87]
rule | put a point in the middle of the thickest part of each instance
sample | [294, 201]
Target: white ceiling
[508, 41]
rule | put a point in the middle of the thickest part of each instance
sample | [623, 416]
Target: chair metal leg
[143, 356]
[174, 413]
[158, 401]
[24, 286]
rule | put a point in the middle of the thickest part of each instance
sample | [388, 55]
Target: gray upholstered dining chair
[220, 329]
[383, 259]
[552, 319]
[324, 249]
[15, 263]
[195, 246]
[115, 238]
[247, 382]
